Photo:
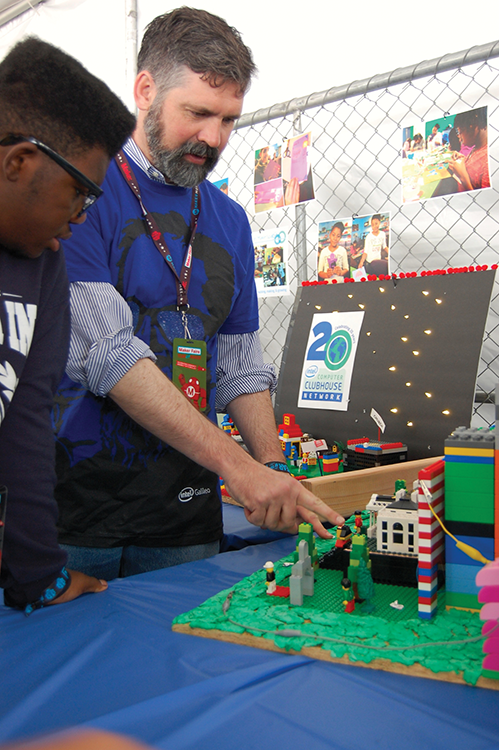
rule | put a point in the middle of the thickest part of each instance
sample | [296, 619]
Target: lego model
[290, 435]
[230, 428]
[363, 453]
[304, 454]
[397, 525]
[442, 502]
[301, 582]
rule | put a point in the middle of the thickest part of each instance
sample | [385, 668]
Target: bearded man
[163, 295]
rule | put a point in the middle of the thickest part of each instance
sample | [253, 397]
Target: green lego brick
[465, 601]
[306, 532]
[490, 674]
[477, 505]
[458, 499]
[468, 483]
[469, 512]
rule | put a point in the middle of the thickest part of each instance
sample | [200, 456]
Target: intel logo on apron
[188, 493]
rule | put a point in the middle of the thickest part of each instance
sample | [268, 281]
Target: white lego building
[397, 525]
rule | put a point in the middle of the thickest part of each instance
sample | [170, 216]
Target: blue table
[111, 661]
[239, 533]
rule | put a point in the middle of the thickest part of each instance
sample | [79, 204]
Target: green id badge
[189, 370]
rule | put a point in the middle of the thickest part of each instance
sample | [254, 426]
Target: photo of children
[451, 157]
[223, 185]
[283, 174]
[271, 262]
[372, 236]
[333, 246]
[353, 248]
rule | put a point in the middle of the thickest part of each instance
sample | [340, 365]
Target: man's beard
[170, 162]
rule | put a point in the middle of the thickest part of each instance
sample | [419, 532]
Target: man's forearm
[253, 416]
[271, 499]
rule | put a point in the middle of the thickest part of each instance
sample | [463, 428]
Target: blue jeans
[128, 561]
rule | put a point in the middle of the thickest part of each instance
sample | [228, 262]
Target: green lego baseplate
[321, 629]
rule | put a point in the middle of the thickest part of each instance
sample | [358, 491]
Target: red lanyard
[156, 235]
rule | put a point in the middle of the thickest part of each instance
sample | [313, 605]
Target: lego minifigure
[343, 535]
[270, 580]
[358, 522]
[348, 600]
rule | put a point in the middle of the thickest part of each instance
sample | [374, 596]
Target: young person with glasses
[59, 128]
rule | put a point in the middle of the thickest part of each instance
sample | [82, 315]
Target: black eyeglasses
[94, 191]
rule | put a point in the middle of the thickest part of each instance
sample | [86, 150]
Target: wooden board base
[315, 652]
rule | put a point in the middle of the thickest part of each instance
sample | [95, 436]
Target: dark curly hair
[47, 94]
[200, 41]
[471, 118]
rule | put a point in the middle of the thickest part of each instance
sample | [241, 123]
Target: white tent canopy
[10, 9]
[298, 48]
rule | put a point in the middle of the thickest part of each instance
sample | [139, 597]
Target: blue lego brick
[485, 545]
[469, 460]
[428, 571]
[427, 594]
[460, 579]
[427, 615]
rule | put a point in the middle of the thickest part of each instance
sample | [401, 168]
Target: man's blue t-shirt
[118, 484]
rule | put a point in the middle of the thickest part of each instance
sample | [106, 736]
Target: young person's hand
[80, 584]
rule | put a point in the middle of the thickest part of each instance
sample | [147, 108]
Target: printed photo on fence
[353, 247]
[283, 174]
[446, 155]
[334, 243]
[223, 185]
[271, 262]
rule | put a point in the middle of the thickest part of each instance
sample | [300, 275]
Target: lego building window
[384, 525]
[398, 537]
[411, 527]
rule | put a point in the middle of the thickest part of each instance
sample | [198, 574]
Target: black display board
[442, 318]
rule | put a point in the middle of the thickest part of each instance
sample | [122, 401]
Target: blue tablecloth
[111, 661]
[239, 533]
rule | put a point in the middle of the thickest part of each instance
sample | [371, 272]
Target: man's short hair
[200, 41]
[47, 94]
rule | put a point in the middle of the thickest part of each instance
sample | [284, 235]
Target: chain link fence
[357, 140]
